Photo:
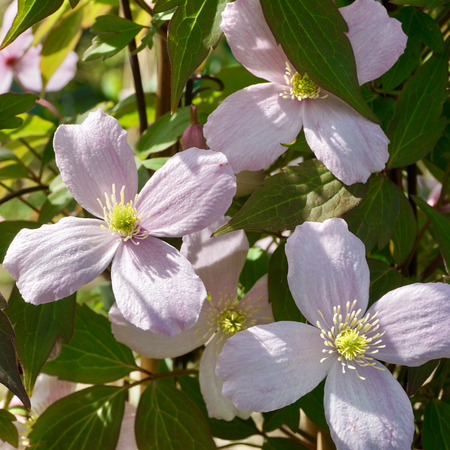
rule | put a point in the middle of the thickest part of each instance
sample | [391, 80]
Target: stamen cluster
[301, 87]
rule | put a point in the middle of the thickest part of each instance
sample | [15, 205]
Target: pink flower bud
[193, 136]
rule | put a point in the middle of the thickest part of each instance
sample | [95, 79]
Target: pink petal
[127, 438]
[27, 69]
[372, 413]
[7, 76]
[218, 261]
[217, 405]
[92, 157]
[270, 366]
[416, 319]
[153, 345]
[252, 42]
[350, 146]
[377, 40]
[155, 287]
[54, 261]
[8, 18]
[66, 71]
[250, 125]
[258, 299]
[327, 268]
[192, 190]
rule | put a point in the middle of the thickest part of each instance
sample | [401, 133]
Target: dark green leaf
[280, 297]
[374, 218]
[8, 231]
[86, 420]
[9, 373]
[274, 443]
[37, 329]
[311, 33]
[167, 419]
[8, 431]
[416, 376]
[93, 355]
[114, 24]
[73, 3]
[289, 415]
[195, 24]
[54, 204]
[442, 227]
[308, 192]
[12, 104]
[416, 126]
[436, 426]
[256, 265]
[312, 405]
[29, 13]
[13, 171]
[420, 3]
[383, 107]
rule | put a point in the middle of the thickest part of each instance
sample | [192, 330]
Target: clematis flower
[270, 366]
[155, 287]
[250, 125]
[218, 261]
[20, 60]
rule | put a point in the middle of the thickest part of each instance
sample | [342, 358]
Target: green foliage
[436, 427]
[289, 415]
[275, 443]
[255, 267]
[318, 47]
[93, 355]
[12, 104]
[167, 419]
[312, 404]
[86, 420]
[8, 431]
[416, 376]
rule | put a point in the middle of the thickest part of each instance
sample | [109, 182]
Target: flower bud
[193, 136]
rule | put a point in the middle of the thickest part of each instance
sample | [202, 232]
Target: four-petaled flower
[218, 261]
[270, 366]
[155, 287]
[250, 125]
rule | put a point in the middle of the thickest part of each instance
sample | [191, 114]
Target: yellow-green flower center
[349, 343]
[300, 87]
[231, 321]
[123, 219]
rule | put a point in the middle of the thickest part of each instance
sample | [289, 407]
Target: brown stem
[41, 187]
[20, 198]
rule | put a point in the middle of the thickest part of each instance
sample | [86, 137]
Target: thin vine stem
[41, 187]
[20, 198]
[296, 438]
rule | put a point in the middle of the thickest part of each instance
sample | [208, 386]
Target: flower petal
[271, 366]
[48, 390]
[92, 157]
[65, 72]
[256, 301]
[416, 319]
[252, 42]
[192, 190]
[327, 268]
[27, 69]
[377, 40]
[373, 413]
[250, 125]
[218, 261]
[217, 405]
[127, 438]
[153, 345]
[156, 287]
[7, 76]
[350, 146]
[54, 261]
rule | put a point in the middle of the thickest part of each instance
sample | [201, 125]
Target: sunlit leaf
[12, 104]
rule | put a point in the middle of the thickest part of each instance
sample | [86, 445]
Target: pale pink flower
[155, 287]
[20, 60]
[218, 261]
[250, 125]
[267, 367]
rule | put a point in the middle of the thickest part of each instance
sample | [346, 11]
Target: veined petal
[27, 69]
[373, 413]
[377, 40]
[218, 261]
[153, 345]
[416, 319]
[156, 287]
[217, 405]
[252, 42]
[327, 268]
[192, 190]
[270, 366]
[92, 157]
[65, 72]
[257, 302]
[54, 261]
[250, 125]
[350, 146]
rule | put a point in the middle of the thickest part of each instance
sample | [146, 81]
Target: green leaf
[93, 355]
[167, 419]
[436, 426]
[8, 231]
[280, 297]
[289, 415]
[155, 163]
[74, 3]
[308, 192]
[193, 31]
[420, 3]
[114, 24]
[37, 329]
[9, 373]
[89, 419]
[311, 33]
[416, 376]
[416, 126]
[274, 443]
[29, 13]
[32, 126]
[126, 110]
[374, 218]
[13, 171]
[12, 104]
[54, 204]
[312, 405]
[8, 431]
[256, 265]
[442, 227]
